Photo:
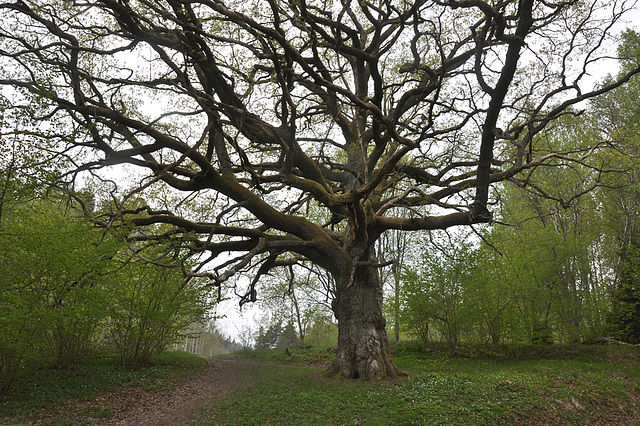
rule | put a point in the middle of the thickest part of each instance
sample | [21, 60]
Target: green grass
[40, 392]
[527, 385]
[504, 385]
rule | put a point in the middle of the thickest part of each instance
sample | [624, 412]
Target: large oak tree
[305, 129]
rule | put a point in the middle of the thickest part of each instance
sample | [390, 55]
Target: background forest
[559, 263]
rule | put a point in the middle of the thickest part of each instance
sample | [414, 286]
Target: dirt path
[220, 377]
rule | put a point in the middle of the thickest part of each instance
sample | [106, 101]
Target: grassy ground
[47, 395]
[528, 385]
[507, 385]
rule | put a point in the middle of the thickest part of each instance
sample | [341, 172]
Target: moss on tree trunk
[363, 347]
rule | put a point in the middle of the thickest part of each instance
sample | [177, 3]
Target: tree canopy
[300, 131]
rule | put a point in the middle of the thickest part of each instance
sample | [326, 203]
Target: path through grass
[548, 385]
[597, 385]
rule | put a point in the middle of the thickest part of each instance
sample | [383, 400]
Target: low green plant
[51, 275]
[98, 411]
[36, 392]
[512, 385]
[507, 384]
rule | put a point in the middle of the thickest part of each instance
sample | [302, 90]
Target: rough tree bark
[363, 347]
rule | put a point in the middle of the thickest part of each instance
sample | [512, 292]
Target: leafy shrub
[50, 297]
[149, 308]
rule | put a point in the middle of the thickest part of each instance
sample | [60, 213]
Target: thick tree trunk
[363, 347]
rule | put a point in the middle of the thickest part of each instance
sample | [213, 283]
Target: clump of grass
[98, 411]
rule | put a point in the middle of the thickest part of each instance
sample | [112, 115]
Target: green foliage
[294, 296]
[323, 332]
[276, 336]
[490, 293]
[539, 281]
[435, 295]
[149, 308]
[206, 340]
[617, 115]
[625, 316]
[267, 338]
[288, 338]
[549, 266]
[65, 286]
[51, 273]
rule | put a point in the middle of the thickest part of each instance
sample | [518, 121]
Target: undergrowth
[42, 393]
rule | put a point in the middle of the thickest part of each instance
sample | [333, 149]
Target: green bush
[149, 308]
[50, 293]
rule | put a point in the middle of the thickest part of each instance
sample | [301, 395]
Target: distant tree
[322, 332]
[435, 295]
[288, 337]
[495, 319]
[617, 115]
[267, 338]
[625, 316]
[396, 245]
[259, 109]
[296, 297]
[205, 339]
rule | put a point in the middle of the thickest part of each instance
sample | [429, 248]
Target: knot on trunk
[377, 320]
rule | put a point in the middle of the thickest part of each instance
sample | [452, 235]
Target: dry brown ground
[178, 406]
